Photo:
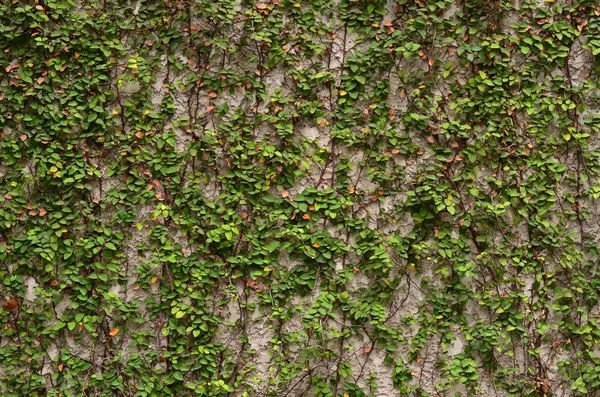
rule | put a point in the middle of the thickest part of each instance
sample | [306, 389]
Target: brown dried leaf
[11, 304]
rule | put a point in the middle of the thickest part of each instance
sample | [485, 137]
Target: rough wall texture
[312, 198]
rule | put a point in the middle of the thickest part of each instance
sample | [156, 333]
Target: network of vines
[400, 191]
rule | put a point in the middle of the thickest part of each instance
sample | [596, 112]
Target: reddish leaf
[11, 304]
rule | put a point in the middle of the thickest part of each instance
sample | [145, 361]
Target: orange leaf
[261, 6]
[285, 194]
[306, 216]
[153, 279]
[114, 331]
[11, 305]
[60, 367]
[194, 27]
[40, 80]
[23, 137]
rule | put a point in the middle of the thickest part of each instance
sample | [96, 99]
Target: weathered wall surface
[299, 198]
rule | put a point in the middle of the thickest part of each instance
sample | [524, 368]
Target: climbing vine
[286, 198]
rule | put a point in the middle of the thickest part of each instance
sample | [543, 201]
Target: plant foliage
[281, 197]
